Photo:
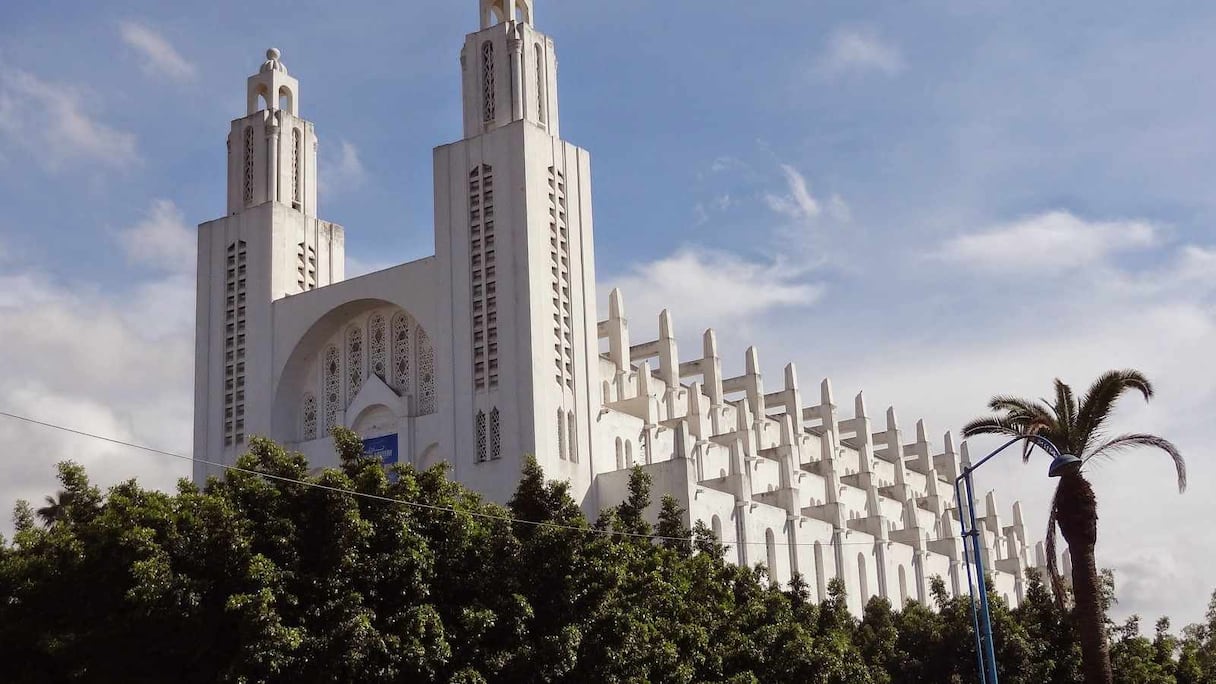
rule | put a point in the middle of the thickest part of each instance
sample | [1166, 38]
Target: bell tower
[270, 245]
[513, 229]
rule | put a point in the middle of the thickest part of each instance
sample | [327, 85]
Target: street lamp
[984, 654]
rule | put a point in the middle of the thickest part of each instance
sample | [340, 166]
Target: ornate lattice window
[481, 436]
[310, 416]
[354, 361]
[495, 436]
[331, 372]
[296, 154]
[561, 434]
[487, 81]
[540, 84]
[426, 373]
[249, 165]
[401, 354]
[377, 346]
[572, 436]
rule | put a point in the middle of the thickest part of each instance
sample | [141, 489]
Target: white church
[494, 348]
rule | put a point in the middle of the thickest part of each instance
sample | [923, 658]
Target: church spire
[509, 71]
[271, 150]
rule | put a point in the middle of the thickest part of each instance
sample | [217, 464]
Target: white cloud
[838, 209]
[117, 364]
[343, 172]
[859, 50]
[161, 239]
[706, 288]
[159, 57]
[797, 204]
[1051, 242]
[50, 122]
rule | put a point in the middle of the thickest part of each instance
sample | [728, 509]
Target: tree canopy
[256, 579]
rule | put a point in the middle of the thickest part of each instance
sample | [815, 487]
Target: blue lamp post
[981, 622]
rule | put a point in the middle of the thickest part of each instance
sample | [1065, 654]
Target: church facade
[494, 347]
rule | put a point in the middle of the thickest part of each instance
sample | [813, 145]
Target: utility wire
[413, 504]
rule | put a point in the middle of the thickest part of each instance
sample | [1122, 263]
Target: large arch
[299, 373]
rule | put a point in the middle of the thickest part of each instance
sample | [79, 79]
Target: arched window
[628, 454]
[377, 346]
[487, 81]
[401, 354]
[481, 436]
[863, 583]
[903, 587]
[573, 437]
[426, 373]
[820, 581]
[354, 361]
[770, 545]
[561, 434]
[715, 524]
[310, 416]
[540, 84]
[620, 454]
[332, 373]
[495, 436]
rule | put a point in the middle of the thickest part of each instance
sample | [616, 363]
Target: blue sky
[934, 201]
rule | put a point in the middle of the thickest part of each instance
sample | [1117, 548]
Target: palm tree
[1078, 428]
[55, 508]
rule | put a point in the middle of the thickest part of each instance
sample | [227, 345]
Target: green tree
[357, 575]
[1078, 427]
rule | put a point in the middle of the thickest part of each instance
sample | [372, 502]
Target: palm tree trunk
[1091, 623]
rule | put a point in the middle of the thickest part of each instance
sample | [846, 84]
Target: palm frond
[991, 425]
[1065, 409]
[1100, 398]
[1053, 563]
[1138, 439]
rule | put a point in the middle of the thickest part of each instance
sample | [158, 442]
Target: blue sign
[383, 448]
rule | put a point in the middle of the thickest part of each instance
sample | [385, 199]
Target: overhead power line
[412, 504]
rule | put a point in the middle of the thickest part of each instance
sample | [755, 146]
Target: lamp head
[1063, 464]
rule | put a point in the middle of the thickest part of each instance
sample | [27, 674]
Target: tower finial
[272, 62]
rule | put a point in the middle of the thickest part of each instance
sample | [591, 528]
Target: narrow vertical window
[561, 434]
[249, 165]
[310, 416]
[863, 583]
[332, 373]
[354, 361]
[770, 545]
[570, 435]
[620, 454]
[377, 346]
[296, 154]
[481, 436]
[426, 373]
[401, 354]
[487, 81]
[820, 581]
[495, 436]
[540, 84]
